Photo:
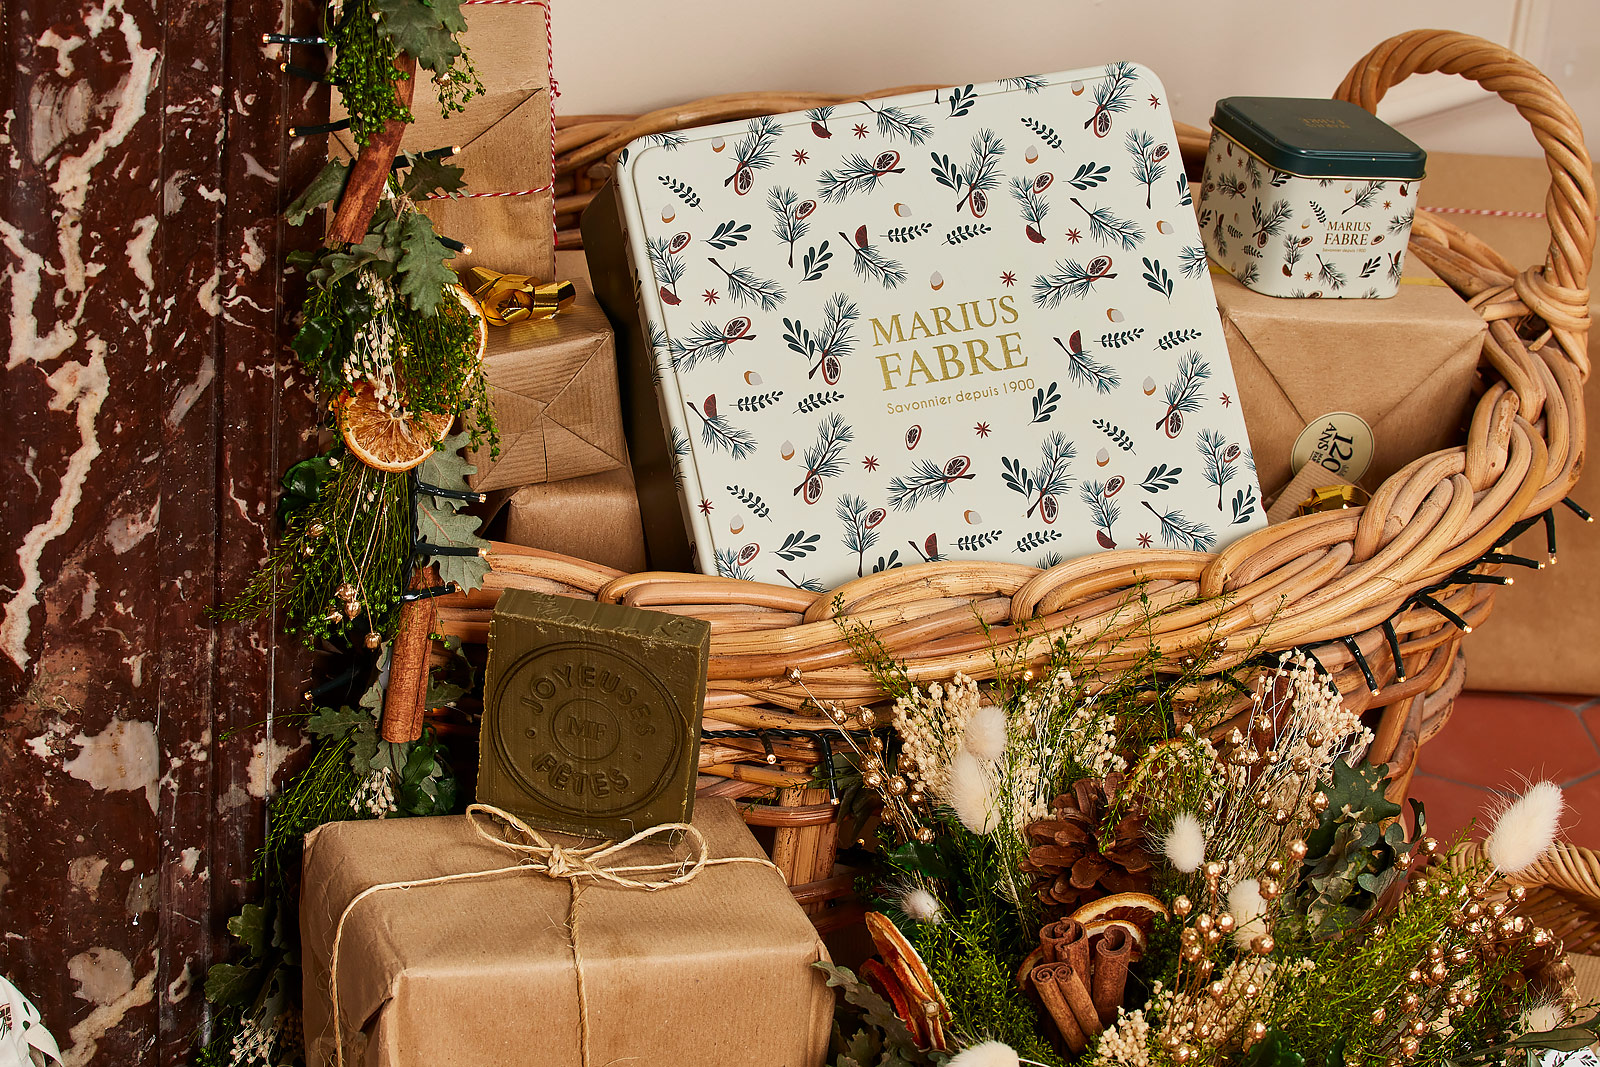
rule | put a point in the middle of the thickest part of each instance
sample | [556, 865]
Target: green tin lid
[1319, 138]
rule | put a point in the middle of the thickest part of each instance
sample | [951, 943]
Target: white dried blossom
[375, 795]
[254, 1043]
[931, 723]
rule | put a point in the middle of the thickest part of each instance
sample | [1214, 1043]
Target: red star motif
[705, 506]
[800, 156]
[1144, 540]
[982, 429]
[1155, 101]
[1308, 276]
[860, 130]
[710, 296]
[1227, 401]
[871, 463]
[1074, 236]
[1386, 204]
[1008, 279]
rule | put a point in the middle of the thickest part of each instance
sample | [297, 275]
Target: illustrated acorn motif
[786, 450]
[737, 525]
[1149, 386]
[1031, 155]
[1114, 315]
[903, 210]
[1102, 457]
[936, 280]
[1163, 226]
[718, 144]
[669, 213]
[972, 517]
[752, 378]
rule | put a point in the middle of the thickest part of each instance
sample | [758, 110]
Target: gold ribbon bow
[572, 864]
[509, 298]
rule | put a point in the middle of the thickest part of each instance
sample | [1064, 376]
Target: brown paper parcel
[1405, 365]
[717, 971]
[504, 138]
[553, 384]
[594, 518]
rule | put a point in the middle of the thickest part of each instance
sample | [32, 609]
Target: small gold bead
[792, 674]
[373, 640]
[1251, 989]
[1275, 868]
[1297, 849]
[316, 529]
[1418, 1027]
[1269, 888]
[1378, 1015]
[1225, 922]
[873, 780]
[1411, 1002]
[1314, 738]
[1264, 945]
[1213, 870]
[1469, 997]
[925, 835]
[1414, 976]
[1438, 971]
[868, 716]
[1181, 906]
[897, 786]
[1319, 802]
[1258, 1030]
[1436, 952]
[1216, 990]
[1519, 893]
[1408, 1047]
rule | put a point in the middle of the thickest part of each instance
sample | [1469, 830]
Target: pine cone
[1065, 858]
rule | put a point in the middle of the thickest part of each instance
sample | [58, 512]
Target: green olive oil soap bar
[591, 719]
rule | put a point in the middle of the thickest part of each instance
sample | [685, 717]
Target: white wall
[627, 56]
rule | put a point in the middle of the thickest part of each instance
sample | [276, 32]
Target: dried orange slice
[383, 440]
[902, 960]
[1138, 909]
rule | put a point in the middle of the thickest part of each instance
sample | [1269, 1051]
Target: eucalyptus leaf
[325, 188]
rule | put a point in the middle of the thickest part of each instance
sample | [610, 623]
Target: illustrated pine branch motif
[978, 178]
[1103, 511]
[1044, 133]
[928, 481]
[728, 234]
[751, 501]
[824, 350]
[1244, 504]
[680, 452]
[966, 232]
[1053, 475]
[1044, 403]
[1028, 83]
[753, 152]
[728, 565]
[1183, 392]
[1160, 478]
[1111, 96]
[825, 457]
[1117, 434]
[1269, 221]
[1400, 223]
[1178, 531]
[1294, 246]
[1032, 206]
[1089, 175]
[815, 261]
[797, 544]
[1228, 185]
[680, 190]
[1364, 196]
[977, 542]
[1108, 229]
[871, 264]
[1049, 559]
[819, 120]
[1071, 279]
[815, 401]
[1173, 338]
[859, 532]
[669, 141]
[1149, 160]
[1234, 231]
[1329, 274]
[667, 265]
[1319, 212]
[759, 401]
[660, 344]
[812, 585]
[1156, 276]
[961, 100]
[721, 435]
[1252, 250]
[857, 174]
[707, 341]
[744, 287]
[1121, 338]
[1084, 369]
[1218, 459]
[1192, 261]
[897, 122]
[1253, 172]
[1029, 542]
[1250, 275]
[1397, 266]
[1217, 239]
[902, 234]
[1185, 198]
[1370, 267]
[789, 214]
[1280, 179]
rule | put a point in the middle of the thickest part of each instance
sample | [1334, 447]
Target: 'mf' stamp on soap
[591, 720]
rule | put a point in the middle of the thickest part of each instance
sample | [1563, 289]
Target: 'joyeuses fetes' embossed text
[945, 361]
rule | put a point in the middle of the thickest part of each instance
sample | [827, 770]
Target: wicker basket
[1346, 584]
[1563, 892]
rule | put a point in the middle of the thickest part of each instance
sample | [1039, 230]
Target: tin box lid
[1319, 138]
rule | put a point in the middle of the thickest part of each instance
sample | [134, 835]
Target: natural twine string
[573, 864]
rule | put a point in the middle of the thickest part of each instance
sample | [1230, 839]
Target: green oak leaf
[325, 188]
[426, 176]
[875, 1008]
[439, 524]
[250, 927]
[331, 722]
[447, 468]
[416, 27]
[423, 273]
[232, 984]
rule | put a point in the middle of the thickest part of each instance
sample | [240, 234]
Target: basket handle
[1563, 283]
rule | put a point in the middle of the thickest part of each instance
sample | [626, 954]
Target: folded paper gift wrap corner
[1405, 366]
[481, 972]
[553, 385]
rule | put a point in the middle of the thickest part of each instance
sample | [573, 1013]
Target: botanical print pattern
[973, 323]
[1285, 235]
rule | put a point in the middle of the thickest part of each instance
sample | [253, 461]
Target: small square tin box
[1308, 198]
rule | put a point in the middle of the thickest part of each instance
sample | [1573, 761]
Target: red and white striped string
[555, 91]
[1462, 210]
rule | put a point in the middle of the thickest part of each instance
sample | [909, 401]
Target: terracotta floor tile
[1450, 805]
[1581, 824]
[1497, 740]
[1572, 700]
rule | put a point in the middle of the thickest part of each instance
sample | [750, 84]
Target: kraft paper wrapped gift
[1405, 365]
[594, 518]
[481, 972]
[553, 384]
[504, 141]
[1542, 634]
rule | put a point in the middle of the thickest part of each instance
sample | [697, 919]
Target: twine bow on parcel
[573, 864]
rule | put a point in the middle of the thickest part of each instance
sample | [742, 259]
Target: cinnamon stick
[1112, 951]
[1076, 990]
[1064, 941]
[405, 703]
[371, 169]
[1055, 1002]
